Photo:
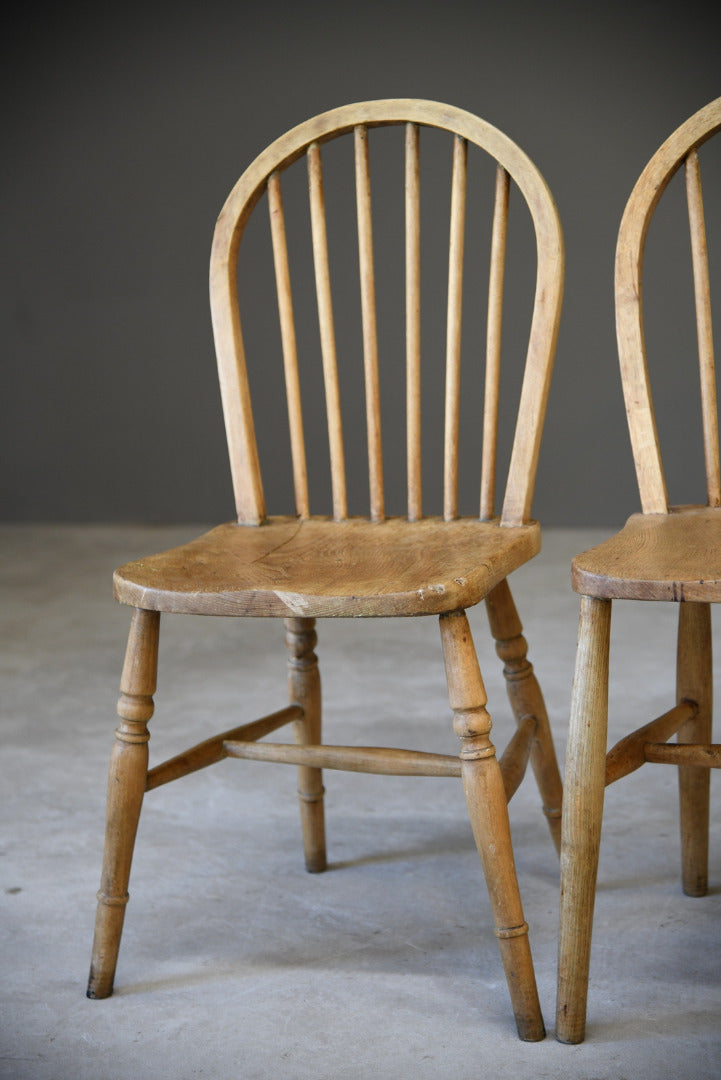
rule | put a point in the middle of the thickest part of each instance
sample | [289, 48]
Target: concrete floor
[235, 962]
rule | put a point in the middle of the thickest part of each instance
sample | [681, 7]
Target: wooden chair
[302, 567]
[663, 553]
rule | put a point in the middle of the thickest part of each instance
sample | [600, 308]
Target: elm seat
[304, 567]
[318, 568]
[674, 556]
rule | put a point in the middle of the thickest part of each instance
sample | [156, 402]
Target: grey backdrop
[125, 128]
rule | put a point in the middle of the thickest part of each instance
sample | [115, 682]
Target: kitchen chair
[301, 567]
[664, 553]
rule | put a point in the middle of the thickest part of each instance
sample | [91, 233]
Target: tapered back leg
[526, 700]
[304, 690]
[694, 682]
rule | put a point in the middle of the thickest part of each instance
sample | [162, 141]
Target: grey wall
[126, 126]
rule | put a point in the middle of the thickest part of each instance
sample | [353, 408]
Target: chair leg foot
[694, 682]
[582, 815]
[304, 690]
[488, 811]
[126, 787]
[526, 699]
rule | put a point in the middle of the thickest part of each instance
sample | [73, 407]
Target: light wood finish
[702, 295]
[290, 348]
[327, 332]
[694, 683]
[456, 249]
[383, 761]
[303, 567]
[707, 755]
[413, 323]
[386, 761]
[304, 690]
[485, 796]
[664, 553]
[526, 700]
[584, 785]
[674, 556]
[211, 751]
[126, 787]
[629, 753]
[629, 292]
[493, 344]
[370, 326]
[308, 138]
[317, 568]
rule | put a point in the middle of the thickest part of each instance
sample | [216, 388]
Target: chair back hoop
[679, 149]
[264, 174]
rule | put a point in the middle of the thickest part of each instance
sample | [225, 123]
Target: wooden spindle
[629, 753]
[453, 329]
[702, 295]
[290, 351]
[370, 330]
[413, 323]
[327, 332]
[493, 344]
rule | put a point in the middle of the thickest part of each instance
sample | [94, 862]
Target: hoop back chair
[303, 567]
[664, 553]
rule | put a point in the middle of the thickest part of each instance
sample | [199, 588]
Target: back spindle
[493, 344]
[370, 332]
[413, 324]
[288, 340]
[327, 332]
[453, 329]
[704, 330]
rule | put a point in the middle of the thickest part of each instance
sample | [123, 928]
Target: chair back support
[680, 149]
[264, 177]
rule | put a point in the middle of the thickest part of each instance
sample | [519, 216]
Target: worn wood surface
[126, 786]
[488, 811]
[665, 553]
[322, 568]
[694, 683]
[302, 567]
[584, 786]
[307, 140]
[675, 556]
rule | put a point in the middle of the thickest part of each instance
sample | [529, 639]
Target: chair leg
[582, 813]
[483, 787]
[694, 682]
[126, 787]
[526, 699]
[304, 690]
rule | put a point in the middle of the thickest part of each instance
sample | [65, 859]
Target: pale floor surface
[236, 963]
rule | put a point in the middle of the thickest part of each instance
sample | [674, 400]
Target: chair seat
[318, 567]
[674, 556]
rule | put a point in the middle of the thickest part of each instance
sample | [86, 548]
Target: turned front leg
[488, 811]
[526, 700]
[304, 690]
[585, 782]
[694, 682]
[126, 787]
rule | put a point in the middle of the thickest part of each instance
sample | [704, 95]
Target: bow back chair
[663, 553]
[302, 567]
